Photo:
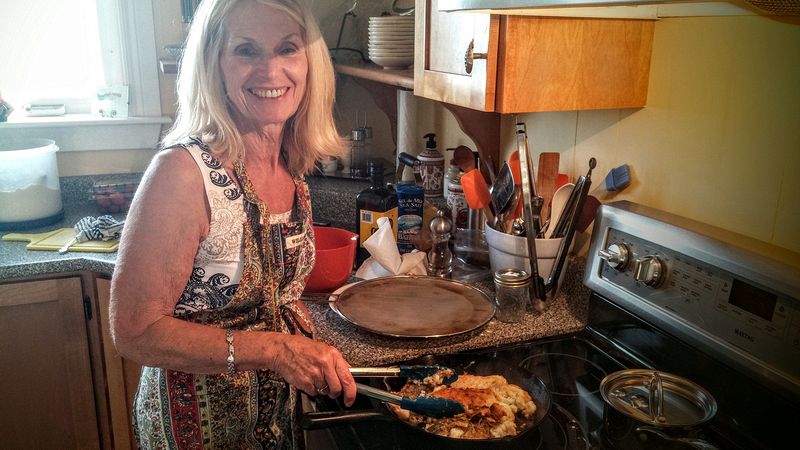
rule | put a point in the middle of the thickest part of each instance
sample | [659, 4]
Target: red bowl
[336, 252]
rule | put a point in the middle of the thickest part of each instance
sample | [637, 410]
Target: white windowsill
[85, 132]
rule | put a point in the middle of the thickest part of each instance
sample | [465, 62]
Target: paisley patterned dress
[248, 275]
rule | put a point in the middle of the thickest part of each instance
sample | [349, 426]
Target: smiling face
[264, 65]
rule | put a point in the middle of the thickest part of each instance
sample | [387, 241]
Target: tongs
[531, 207]
[426, 406]
[417, 373]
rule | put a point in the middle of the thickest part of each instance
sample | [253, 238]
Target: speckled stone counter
[18, 262]
[334, 200]
[567, 313]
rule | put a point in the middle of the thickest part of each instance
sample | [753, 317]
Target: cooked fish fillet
[493, 408]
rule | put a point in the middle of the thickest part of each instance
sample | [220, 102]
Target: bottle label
[368, 223]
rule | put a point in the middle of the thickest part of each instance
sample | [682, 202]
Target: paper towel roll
[407, 128]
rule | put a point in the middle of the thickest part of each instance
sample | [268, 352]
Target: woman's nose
[269, 66]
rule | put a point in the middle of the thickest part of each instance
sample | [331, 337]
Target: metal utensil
[561, 256]
[505, 218]
[426, 406]
[414, 372]
[502, 189]
[530, 202]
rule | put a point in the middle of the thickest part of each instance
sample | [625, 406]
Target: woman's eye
[288, 49]
[245, 50]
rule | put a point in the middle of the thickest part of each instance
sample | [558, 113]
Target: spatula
[426, 406]
[477, 193]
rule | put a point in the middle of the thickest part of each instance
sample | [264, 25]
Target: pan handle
[325, 419]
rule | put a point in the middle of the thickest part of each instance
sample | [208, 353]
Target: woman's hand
[312, 365]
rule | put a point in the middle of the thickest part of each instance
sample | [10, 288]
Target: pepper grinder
[440, 259]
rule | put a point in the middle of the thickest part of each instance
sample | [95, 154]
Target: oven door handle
[692, 442]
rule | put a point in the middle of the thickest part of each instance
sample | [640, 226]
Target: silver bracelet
[229, 340]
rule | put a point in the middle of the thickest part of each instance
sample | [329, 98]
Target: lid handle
[656, 402]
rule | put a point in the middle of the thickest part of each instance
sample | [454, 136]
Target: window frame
[128, 44]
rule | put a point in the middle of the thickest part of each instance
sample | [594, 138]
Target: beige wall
[719, 140]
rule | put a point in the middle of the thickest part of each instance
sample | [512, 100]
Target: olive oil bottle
[373, 203]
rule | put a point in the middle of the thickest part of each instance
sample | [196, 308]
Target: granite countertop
[18, 262]
[567, 313]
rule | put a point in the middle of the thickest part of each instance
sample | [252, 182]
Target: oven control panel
[704, 291]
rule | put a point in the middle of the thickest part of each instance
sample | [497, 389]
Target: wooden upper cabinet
[531, 63]
[441, 44]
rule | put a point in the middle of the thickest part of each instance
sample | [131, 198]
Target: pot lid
[658, 398]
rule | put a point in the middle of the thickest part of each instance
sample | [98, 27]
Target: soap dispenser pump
[431, 168]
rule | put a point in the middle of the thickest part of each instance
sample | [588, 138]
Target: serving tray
[411, 306]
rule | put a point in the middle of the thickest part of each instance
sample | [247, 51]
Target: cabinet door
[46, 387]
[122, 376]
[441, 43]
[558, 64]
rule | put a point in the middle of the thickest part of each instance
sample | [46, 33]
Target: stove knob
[616, 256]
[650, 271]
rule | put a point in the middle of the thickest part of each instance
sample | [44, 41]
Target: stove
[667, 294]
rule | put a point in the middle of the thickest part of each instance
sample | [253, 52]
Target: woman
[218, 241]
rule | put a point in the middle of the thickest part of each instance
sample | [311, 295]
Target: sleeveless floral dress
[248, 274]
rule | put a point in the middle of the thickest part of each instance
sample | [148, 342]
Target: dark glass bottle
[373, 203]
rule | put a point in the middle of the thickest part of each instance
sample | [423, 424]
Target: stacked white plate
[391, 41]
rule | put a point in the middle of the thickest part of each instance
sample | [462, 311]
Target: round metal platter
[411, 306]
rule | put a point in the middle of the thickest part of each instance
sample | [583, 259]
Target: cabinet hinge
[87, 307]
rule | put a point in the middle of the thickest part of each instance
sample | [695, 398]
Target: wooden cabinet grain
[47, 386]
[531, 64]
[122, 375]
[64, 385]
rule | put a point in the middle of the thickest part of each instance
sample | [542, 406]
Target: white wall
[719, 139]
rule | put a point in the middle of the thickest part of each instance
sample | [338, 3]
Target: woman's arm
[164, 227]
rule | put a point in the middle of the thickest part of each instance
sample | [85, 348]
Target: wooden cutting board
[54, 240]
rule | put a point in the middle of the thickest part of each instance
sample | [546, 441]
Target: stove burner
[566, 374]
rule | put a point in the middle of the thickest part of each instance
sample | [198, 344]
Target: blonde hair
[309, 135]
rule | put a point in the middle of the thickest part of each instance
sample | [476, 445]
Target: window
[57, 51]
[53, 55]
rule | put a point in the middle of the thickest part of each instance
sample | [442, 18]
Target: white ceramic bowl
[391, 19]
[391, 52]
[378, 53]
[400, 44]
[391, 40]
[388, 62]
[391, 48]
[388, 27]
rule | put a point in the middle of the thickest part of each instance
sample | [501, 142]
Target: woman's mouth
[268, 93]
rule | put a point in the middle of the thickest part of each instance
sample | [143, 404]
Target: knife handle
[69, 244]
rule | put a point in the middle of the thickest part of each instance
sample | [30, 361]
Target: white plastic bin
[30, 193]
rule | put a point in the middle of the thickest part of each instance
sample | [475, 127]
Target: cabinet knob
[470, 56]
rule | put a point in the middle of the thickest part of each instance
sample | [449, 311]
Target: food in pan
[493, 407]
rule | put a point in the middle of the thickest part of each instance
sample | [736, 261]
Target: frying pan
[414, 437]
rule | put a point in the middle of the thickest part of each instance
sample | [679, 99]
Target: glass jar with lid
[512, 294]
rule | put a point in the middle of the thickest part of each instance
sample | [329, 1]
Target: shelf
[399, 78]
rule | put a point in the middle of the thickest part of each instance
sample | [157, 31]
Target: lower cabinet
[62, 383]
[46, 385]
[122, 375]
